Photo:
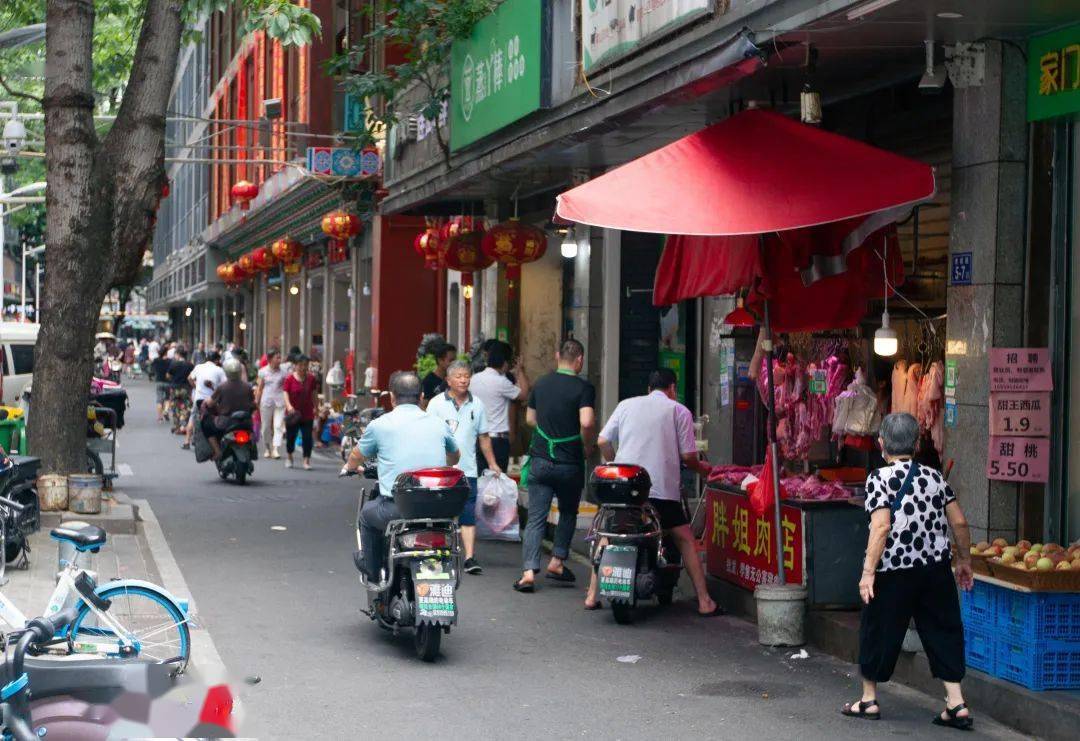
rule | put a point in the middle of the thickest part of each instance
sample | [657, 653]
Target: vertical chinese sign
[1020, 387]
[739, 544]
[501, 72]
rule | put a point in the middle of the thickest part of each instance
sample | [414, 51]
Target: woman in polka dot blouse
[907, 573]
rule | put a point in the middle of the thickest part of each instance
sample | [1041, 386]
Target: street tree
[103, 190]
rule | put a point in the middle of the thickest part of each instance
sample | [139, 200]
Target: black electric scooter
[631, 556]
[238, 448]
[422, 560]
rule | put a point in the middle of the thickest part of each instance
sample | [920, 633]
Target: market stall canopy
[754, 173]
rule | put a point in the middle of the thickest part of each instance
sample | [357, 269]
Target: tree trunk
[99, 208]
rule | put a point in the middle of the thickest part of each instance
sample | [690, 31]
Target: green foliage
[425, 31]
[424, 365]
[282, 20]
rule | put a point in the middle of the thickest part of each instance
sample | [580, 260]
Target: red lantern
[243, 193]
[224, 271]
[457, 226]
[430, 247]
[464, 254]
[286, 250]
[514, 244]
[340, 226]
[264, 259]
[247, 263]
[291, 268]
[165, 189]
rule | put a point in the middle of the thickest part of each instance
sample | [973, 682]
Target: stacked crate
[1031, 638]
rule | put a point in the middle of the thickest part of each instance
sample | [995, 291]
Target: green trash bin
[13, 435]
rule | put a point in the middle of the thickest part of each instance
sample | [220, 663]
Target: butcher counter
[824, 543]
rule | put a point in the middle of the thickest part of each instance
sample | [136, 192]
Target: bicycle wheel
[158, 626]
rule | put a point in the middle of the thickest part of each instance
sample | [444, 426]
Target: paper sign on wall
[1026, 414]
[1019, 459]
[1020, 369]
[951, 412]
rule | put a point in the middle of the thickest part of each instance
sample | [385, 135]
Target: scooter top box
[435, 493]
[620, 483]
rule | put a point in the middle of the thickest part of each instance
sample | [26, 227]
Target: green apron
[551, 442]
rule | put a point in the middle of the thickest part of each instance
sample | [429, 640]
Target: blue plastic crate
[1048, 665]
[1039, 616]
[978, 608]
[979, 651]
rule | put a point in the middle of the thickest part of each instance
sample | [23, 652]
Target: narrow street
[282, 605]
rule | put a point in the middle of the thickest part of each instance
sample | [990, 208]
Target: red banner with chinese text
[739, 545]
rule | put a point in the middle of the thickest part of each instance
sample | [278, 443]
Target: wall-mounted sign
[1020, 369]
[960, 275]
[952, 413]
[1019, 459]
[1054, 74]
[1024, 414]
[501, 72]
[344, 162]
[951, 374]
[611, 29]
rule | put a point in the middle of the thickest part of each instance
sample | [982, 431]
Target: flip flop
[715, 612]
[528, 588]
[596, 606]
[850, 711]
[954, 721]
[566, 576]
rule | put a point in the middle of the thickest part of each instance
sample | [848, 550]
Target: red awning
[753, 173]
[816, 279]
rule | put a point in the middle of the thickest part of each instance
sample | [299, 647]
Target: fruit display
[1038, 566]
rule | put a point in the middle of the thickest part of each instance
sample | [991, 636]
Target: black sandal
[566, 576]
[849, 710]
[598, 605]
[524, 587]
[954, 721]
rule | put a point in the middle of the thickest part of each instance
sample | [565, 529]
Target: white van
[17, 342]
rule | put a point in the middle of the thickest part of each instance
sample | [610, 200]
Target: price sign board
[1025, 414]
[739, 545]
[819, 383]
[950, 376]
[1019, 459]
[1020, 369]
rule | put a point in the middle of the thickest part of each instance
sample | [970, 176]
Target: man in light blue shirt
[403, 440]
[466, 418]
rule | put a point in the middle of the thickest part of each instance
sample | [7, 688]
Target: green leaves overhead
[282, 20]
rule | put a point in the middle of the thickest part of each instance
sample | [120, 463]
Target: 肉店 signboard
[613, 28]
[501, 72]
[739, 545]
[1020, 389]
[1054, 74]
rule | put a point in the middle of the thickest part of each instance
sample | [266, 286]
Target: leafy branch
[423, 32]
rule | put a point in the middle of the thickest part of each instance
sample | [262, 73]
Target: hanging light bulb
[569, 246]
[740, 317]
[886, 342]
[187, 311]
[243, 326]
[294, 289]
[467, 292]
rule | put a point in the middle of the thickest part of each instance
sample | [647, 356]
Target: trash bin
[13, 435]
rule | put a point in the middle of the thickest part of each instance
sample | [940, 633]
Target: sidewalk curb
[208, 662]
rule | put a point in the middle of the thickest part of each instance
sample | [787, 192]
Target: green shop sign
[1054, 74]
[501, 72]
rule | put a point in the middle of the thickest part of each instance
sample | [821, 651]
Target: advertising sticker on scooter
[435, 602]
[618, 568]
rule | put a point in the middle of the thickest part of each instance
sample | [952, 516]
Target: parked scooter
[357, 419]
[238, 448]
[72, 700]
[423, 557]
[632, 558]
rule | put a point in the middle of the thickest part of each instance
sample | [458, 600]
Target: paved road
[283, 605]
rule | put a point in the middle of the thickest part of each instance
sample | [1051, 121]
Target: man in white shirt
[153, 351]
[204, 378]
[496, 392]
[657, 432]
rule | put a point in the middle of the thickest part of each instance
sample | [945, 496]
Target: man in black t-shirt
[159, 371]
[434, 383]
[561, 411]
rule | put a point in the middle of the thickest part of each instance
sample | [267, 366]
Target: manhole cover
[742, 688]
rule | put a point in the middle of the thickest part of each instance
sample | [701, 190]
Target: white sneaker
[288, 463]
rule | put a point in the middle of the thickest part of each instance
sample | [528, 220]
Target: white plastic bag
[496, 507]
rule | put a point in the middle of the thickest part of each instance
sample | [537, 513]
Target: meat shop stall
[813, 254]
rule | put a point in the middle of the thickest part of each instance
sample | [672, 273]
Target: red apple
[1000, 541]
[1024, 545]
[1030, 559]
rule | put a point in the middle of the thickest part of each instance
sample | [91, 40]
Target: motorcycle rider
[235, 395]
[657, 432]
[404, 439]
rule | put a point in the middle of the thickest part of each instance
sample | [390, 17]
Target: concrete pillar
[305, 319]
[987, 219]
[610, 258]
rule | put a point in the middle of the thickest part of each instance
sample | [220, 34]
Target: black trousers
[926, 593]
[500, 446]
[304, 428]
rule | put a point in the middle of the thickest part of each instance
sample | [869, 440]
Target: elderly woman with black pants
[907, 573]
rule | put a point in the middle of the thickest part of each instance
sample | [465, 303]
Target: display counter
[823, 542]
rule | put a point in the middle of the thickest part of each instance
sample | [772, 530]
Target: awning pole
[774, 454]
